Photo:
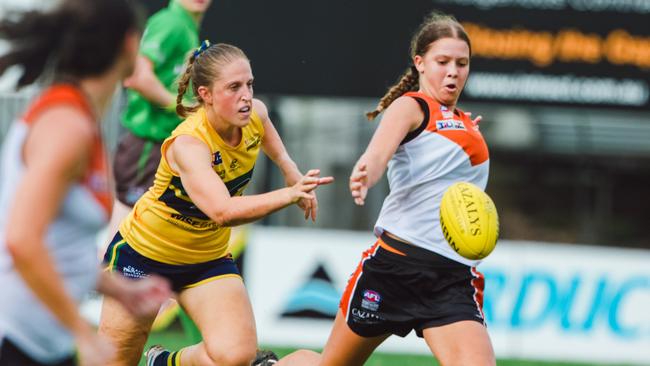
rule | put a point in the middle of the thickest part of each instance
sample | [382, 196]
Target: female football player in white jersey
[411, 279]
[55, 195]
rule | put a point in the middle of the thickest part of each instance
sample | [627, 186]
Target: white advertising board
[542, 301]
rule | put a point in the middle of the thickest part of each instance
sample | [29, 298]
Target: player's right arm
[401, 117]
[191, 159]
[146, 83]
[55, 155]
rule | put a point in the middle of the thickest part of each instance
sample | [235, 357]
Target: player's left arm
[274, 148]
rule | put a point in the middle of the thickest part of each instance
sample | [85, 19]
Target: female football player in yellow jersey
[180, 228]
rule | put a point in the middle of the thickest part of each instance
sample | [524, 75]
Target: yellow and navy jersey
[165, 225]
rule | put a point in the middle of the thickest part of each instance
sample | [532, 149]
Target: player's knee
[231, 355]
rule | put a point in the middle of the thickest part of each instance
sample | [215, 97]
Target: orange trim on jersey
[469, 139]
[61, 94]
[95, 178]
[352, 282]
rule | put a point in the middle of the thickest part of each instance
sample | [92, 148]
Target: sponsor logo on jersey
[198, 224]
[449, 124]
[446, 113]
[371, 300]
[252, 142]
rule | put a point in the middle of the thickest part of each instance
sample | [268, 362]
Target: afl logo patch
[371, 300]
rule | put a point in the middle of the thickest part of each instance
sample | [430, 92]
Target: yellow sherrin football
[469, 220]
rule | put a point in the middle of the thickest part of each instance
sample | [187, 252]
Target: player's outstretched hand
[476, 120]
[307, 184]
[309, 206]
[359, 183]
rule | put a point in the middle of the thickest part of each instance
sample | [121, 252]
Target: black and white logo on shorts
[366, 317]
[132, 272]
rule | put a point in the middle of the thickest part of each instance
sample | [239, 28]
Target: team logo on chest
[217, 164]
[446, 113]
[216, 158]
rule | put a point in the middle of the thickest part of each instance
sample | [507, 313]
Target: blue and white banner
[542, 301]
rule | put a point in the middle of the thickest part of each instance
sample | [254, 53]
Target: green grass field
[174, 338]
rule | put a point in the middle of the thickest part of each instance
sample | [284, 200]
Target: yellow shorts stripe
[212, 279]
[114, 255]
[177, 358]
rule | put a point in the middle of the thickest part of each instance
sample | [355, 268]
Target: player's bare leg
[461, 343]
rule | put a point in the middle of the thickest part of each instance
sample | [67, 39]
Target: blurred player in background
[55, 195]
[180, 228]
[411, 279]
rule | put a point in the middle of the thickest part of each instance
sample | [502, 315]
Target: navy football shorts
[120, 257]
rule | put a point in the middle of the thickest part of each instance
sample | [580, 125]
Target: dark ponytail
[77, 39]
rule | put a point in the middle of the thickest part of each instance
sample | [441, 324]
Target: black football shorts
[398, 287]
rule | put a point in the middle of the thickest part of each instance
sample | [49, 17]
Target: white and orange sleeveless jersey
[446, 148]
[70, 238]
